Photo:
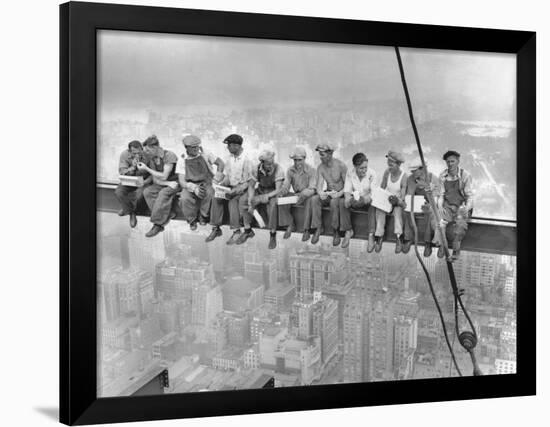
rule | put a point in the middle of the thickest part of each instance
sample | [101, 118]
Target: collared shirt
[237, 169]
[333, 176]
[464, 183]
[164, 157]
[206, 155]
[126, 164]
[363, 186]
[300, 180]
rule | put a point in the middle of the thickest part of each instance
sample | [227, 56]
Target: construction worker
[129, 196]
[269, 177]
[394, 180]
[331, 175]
[195, 173]
[160, 194]
[455, 203]
[237, 170]
[357, 195]
[416, 186]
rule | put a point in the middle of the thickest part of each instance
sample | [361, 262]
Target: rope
[468, 340]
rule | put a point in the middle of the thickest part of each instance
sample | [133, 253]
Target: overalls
[198, 172]
[159, 198]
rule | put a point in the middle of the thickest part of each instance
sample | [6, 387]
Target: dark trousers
[191, 205]
[159, 198]
[128, 197]
[286, 218]
[359, 205]
[425, 234]
[216, 211]
[269, 209]
[317, 211]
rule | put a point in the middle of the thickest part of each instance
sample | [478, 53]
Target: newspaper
[220, 191]
[131, 181]
[288, 200]
[258, 218]
[380, 199]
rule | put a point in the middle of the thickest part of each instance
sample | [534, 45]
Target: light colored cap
[324, 147]
[395, 156]
[266, 155]
[298, 153]
[191, 141]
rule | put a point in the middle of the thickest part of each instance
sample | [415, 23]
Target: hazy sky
[144, 70]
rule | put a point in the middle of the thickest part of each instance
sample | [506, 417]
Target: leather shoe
[247, 234]
[272, 241]
[347, 238]
[316, 235]
[121, 212]
[306, 236]
[441, 252]
[336, 239]
[288, 232]
[427, 249]
[406, 246]
[216, 231]
[370, 246]
[133, 220]
[233, 239]
[154, 231]
[378, 244]
[193, 225]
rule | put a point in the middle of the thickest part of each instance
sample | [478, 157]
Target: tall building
[356, 336]
[206, 302]
[405, 334]
[145, 253]
[259, 269]
[280, 296]
[240, 294]
[325, 326]
[381, 342]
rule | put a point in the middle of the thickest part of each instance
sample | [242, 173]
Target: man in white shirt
[237, 170]
[357, 196]
[195, 175]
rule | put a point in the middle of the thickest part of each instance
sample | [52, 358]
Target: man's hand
[323, 195]
[218, 177]
[172, 184]
[393, 200]
[347, 203]
[332, 194]
[199, 191]
[301, 198]
[142, 166]
[366, 199]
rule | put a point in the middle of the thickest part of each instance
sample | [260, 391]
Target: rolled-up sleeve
[348, 184]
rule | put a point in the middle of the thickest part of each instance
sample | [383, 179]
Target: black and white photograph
[268, 218]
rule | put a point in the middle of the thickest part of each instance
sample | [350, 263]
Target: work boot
[347, 238]
[133, 220]
[288, 232]
[406, 246]
[154, 231]
[272, 240]
[378, 244]
[193, 225]
[456, 250]
[336, 239]
[370, 246]
[121, 212]
[247, 234]
[216, 231]
[441, 251]
[428, 249]
[233, 239]
[306, 236]
[398, 245]
[316, 235]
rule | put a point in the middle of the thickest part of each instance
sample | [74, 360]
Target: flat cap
[298, 153]
[324, 147]
[233, 139]
[191, 141]
[395, 156]
[266, 155]
[417, 164]
[451, 153]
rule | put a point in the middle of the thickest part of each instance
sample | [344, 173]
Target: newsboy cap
[298, 153]
[191, 141]
[451, 153]
[417, 164]
[233, 139]
[324, 147]
[395, 156]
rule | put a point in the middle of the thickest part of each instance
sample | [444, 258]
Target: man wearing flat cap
[128, 196]
[455, 203]
[237, 170]
[300, 181]
[417, 186]
[195, 173]
[331, 175]
[161, 193]
[269, 177]
[394, 180]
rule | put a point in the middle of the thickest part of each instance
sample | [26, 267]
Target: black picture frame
[78, 353]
